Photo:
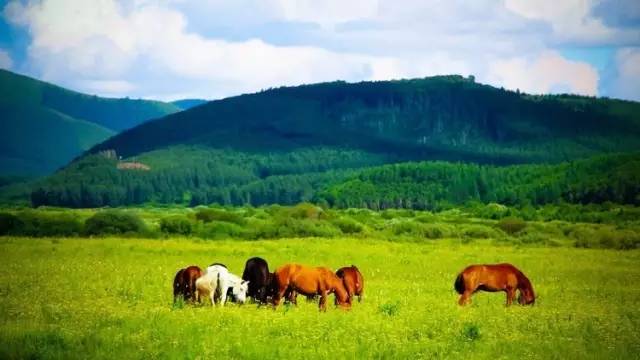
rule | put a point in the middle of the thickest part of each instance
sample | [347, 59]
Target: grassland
[111, 298]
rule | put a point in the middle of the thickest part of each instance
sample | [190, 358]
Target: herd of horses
[216, 283]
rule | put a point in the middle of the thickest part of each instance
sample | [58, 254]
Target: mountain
[187, 104]
[43, 126]
[285, 145]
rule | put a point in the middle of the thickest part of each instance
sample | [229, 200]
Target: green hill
[186, 104]
[43, 126]
[288, 144]
[443, 117]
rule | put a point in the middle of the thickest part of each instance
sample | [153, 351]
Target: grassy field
[111, 298]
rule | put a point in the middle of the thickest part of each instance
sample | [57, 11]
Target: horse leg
[224, 288]
[465, 298]
[323, 300]
[360, 295]
[278, 296]
[511, 294]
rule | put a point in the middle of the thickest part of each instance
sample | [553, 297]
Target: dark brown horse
[352, 281]
[498, 277]
[310, 281]
[184, 284]
[256, 272]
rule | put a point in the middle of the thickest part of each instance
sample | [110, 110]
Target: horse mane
[524, 283]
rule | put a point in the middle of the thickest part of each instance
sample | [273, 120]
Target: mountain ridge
[43, 126]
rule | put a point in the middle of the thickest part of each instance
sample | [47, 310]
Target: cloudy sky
[171, 49]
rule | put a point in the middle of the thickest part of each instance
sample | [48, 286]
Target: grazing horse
[256, 272]
[184, 284]
[498, 277]
[310, 281]
[218, 281]
[352, 281]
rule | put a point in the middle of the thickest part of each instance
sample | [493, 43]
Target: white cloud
[626, 82]
[570, 19]
[150, 48]
[5, 60]
[547, 72]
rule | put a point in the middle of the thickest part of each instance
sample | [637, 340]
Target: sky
[174, 49]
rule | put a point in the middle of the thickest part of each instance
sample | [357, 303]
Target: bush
[511, 225]
[209, 215]
[479, 232]
[114, 222]
[304, 211]
[221, 230]
[36, 224]
[9, 223]
[429, 231]
[177, 224]
[348, 225]
[290, 228]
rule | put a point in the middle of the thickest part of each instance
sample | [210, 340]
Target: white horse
[215, 284]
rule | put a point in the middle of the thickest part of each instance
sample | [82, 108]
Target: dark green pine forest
[421, 143]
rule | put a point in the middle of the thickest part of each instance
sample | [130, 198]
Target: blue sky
[171, 49]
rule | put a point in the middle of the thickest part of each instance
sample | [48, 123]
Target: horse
[352, 281]
[218, 281]
[184, 284]
[310, 281]
[497, 277]
[256, 272]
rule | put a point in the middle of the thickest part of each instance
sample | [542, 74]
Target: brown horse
[309, 281]
[498, 277]
[184, 284]
[352, 281]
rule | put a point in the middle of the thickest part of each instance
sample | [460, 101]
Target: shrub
[290, 227]
[9, 223]
[304, 211]
[479, 232]
[511, 225]
[177, 224]
[389, 308]
[221, 230]
[114, 222]
[470, 332]
[429, 231]
[35, 223]
[348, 225]
[208, 215]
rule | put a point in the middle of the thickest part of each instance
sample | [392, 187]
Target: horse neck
[339, 289]
[523, 282]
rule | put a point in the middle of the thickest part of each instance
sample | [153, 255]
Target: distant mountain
[443, 117]
[43, 126]
[284, 145]
[188, 103]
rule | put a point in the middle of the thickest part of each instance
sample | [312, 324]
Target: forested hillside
[443, 117]
[427, 185]
[194, 176]
[43, 126]
[286, 145]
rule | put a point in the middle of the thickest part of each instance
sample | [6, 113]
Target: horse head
[240, 290]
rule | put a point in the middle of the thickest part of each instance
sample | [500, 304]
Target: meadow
[111, 297]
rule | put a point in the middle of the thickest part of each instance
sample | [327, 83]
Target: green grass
[111, 298]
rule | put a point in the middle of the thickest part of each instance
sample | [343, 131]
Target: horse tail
[459, 284]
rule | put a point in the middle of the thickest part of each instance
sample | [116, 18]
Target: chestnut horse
[352, 281]
[184, 284]
[309, 281]
[498, 277]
